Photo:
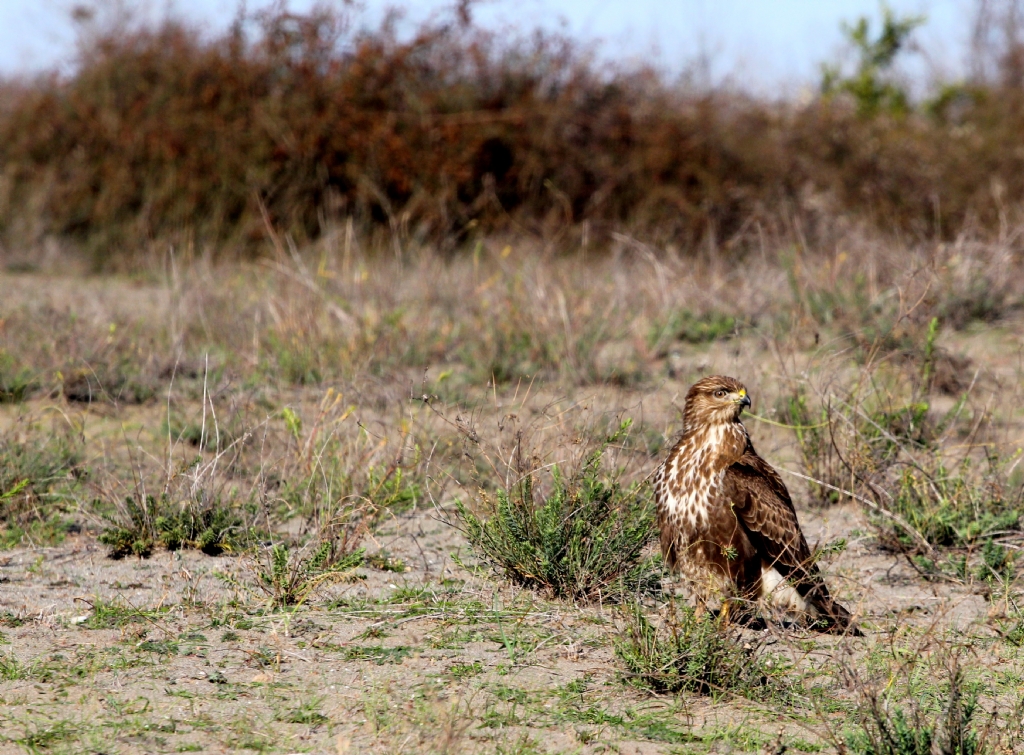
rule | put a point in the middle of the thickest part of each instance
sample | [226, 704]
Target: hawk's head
[714, 400]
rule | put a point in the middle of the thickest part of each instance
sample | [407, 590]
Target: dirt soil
[180, 652]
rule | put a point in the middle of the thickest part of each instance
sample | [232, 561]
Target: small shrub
[1014, 632]
[696, 654]
[511, 348]
[391, 490]
[214, 436]
[118, 382]
[982, 299]
[872, 86]
[336, 477]
[584, 541]
[307, 712]
[818, 454]
[848, 443]
[289, 577]
[36, 471]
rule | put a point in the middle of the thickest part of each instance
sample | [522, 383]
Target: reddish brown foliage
[161, 134]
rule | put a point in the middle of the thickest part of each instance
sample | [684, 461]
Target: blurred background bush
[290, 125]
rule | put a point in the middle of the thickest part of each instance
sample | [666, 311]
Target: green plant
[39, 482]
[849, 441]
[392, 490]
[689, 327]
[819, 457]
[583, 541]
[140, 525]
[289, 577]
[307, 712]
[692, 653]
[113, 375]
[1014, 632]
[116, 614]
[886, 728]
[379, 654]
[17, 381]
[951, 507]
[872, 87]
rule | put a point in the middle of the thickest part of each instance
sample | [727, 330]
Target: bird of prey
[726, 519]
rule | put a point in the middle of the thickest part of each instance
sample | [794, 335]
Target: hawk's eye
[720, 393]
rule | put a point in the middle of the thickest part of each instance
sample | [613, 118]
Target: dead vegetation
[316, 124]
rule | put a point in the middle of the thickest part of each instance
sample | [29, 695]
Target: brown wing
[764, 508]
[762, 503]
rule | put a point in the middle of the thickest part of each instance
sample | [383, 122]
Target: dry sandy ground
[175, 653]
[180, 652]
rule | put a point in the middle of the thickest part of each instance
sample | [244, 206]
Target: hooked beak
[743, 400]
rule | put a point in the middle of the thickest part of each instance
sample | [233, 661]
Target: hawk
[726, 519]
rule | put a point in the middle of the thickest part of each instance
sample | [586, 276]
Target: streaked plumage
[726, 518]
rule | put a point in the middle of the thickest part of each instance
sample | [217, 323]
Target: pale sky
[763, 45]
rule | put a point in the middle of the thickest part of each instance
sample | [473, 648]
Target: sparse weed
[39, 480]
[289, 577]
[912, 727]
[697, 654]
[953, 506]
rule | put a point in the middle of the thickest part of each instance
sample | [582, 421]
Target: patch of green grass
[510, 348]
[297, 358]
[382, 561]
[214, 436]
[39, 478]
[113, 615]
[17, 382]
[115, 378]
[1012, 630]
[523, 745]
[378, 653]
[10, 668]
[41, 737]
[38, 532]
[307, 712]
[689, 327]
[160, 647]
[462, 671]
[8, 619]
[695, 654]
[391, 490]
[584, 541]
